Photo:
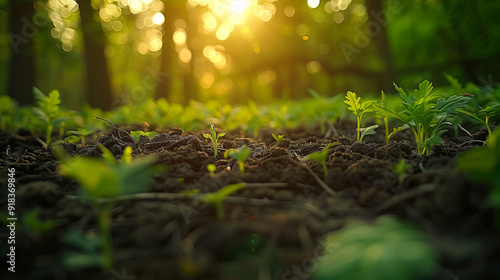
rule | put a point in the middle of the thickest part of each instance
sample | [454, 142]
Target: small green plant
[108, 179]
[483, 164]
[373, 252]
[78, 136]
[322, 156]
[278, 138]
[211, 169]
[217, 198]
[214, 136]
[426, 114]
[385, 117]
[400, 169]
[240, 155]
[137, 134]
[358, 108]
[482, 115]
[48, 111]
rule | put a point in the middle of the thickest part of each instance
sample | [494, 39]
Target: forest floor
[270, 227]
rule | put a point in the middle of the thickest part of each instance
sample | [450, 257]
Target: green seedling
[137, 134]
[78, 136]
[400, 169]
[240, 155]
[373, 252]
[426, 114]
[322, 156]
[214, 136]
[108, 179]
[483, 164]
[48, 111]
[358, 108]
[482, 115]
[385, 117]
[278, 138]
[217, 198]
[211, 169]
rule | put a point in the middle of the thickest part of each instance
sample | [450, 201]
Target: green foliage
[385, 117]
[217, 198]
[278, 138]
[7, 109]
[358, 108]
[108, 178]
[240, 155]
[48, 111]
[483, 164]
[482, 115]
[214, 136]
[87, 254]
[323, 110]
[389, 249]
[426, 114]
[35, 227]
[137, 134]
[322, 156]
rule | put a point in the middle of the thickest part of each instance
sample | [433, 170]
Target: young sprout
[358, 108]
[278, 138]
[108, 179]
[385, 117]
[426, 114]
[137, 134]
[400, 169]
[211, 168]
[214, 136]
[48, 111]
[240, 155]
[322, 156]
[217, 198]
[482, 115]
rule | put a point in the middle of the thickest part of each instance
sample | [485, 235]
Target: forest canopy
[113, 52]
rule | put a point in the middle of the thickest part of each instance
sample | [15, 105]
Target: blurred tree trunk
[167, 57]
[377, 16]
[22, 59]
[99, 90]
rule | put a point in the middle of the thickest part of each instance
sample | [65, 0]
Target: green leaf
[241, 154]
[137, 134]
[208, 136]
[368, 131]
[361, 251]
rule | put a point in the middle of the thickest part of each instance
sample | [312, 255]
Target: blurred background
[113, 52]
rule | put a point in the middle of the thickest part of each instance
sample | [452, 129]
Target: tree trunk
[22, 60]
[167, 57]
[99, 90]
[377, 17]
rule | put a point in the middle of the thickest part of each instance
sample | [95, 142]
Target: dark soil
[174, 237]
